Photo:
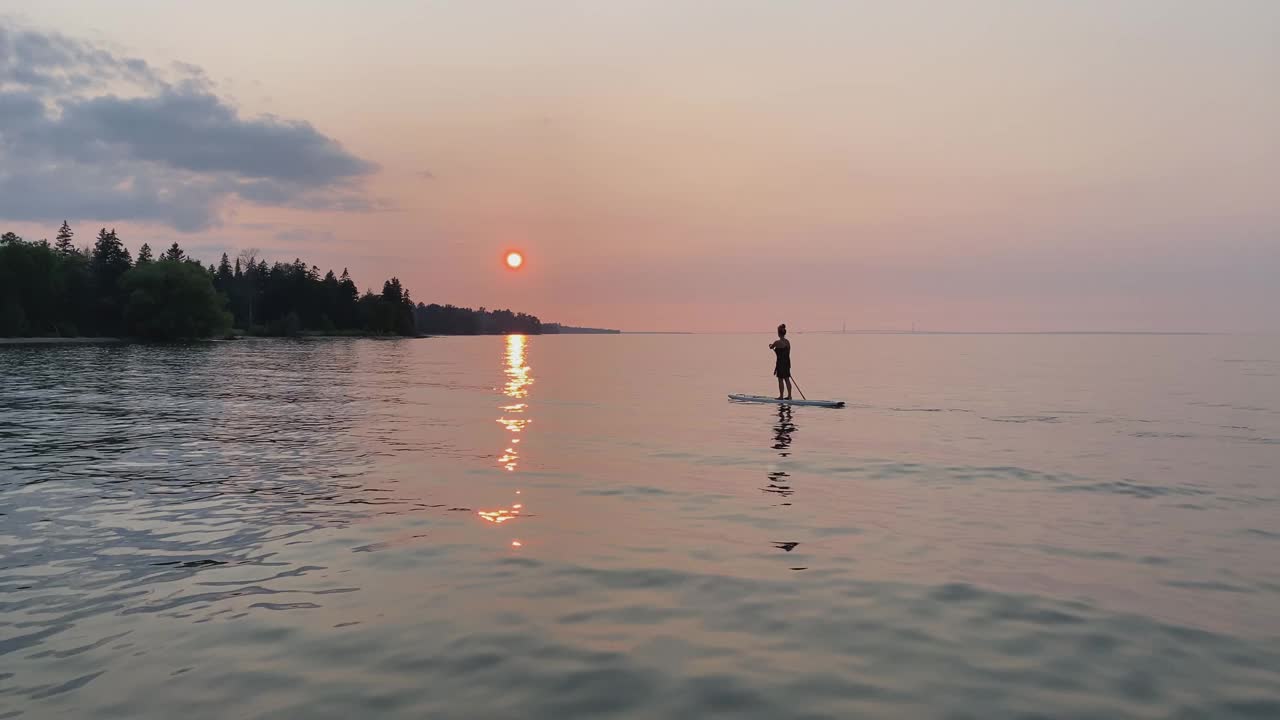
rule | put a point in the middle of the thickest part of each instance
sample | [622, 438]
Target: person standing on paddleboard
[782, 369]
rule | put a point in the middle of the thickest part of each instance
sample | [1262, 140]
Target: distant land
[558, 329]
[57, 290]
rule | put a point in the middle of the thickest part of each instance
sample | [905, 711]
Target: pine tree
[224, 276]
[174, 253]
[110, 257]
[63, 241]
[108, 263]
[144, 254]
[347, 301]
[392, 291]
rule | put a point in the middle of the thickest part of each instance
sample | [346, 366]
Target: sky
[701, 165]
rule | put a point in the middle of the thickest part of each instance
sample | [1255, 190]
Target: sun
[514, 260]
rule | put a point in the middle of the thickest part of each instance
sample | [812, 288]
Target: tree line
[449, 320]
[59, 289]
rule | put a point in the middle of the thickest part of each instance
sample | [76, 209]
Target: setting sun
[514, 260]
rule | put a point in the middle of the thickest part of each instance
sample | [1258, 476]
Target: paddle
[793, 382]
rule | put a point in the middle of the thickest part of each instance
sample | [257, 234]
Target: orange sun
[514, 260]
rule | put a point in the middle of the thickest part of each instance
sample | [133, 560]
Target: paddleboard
[776, 401]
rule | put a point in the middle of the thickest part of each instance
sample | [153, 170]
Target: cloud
[37, 192]
[197, 131]
[55, 62]
[92, 134]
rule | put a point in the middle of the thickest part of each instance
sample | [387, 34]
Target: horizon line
[948, 332]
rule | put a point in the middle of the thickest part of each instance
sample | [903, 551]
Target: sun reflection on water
[514, 419]
[518, 378]
[501, 515]
[517, 387]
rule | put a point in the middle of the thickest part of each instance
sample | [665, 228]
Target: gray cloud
[47, 192]
[197, 131]
[170, 150]
[52, 61]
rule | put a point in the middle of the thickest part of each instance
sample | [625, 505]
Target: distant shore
[62, 341]
[123, 341]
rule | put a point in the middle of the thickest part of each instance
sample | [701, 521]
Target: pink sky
[977, 165]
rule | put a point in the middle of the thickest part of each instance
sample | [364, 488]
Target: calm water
[583, 527]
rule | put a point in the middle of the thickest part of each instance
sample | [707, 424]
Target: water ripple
[279, 529]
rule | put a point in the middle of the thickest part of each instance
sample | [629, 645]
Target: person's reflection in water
[782, 431]
[779, 482]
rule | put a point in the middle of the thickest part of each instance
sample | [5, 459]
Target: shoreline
[19, 341]
[62, 341]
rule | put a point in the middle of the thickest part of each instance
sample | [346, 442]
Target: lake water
[584, 527]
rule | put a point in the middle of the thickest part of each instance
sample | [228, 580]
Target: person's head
[782, 330]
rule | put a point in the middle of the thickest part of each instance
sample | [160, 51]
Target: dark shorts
[782, 370]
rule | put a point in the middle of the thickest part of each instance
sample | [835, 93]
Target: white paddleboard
[776, 401]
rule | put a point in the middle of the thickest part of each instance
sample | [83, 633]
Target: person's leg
[779, 388]
[788, 387]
